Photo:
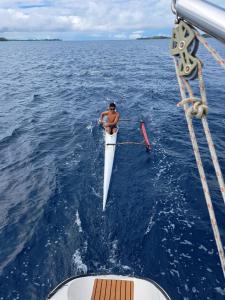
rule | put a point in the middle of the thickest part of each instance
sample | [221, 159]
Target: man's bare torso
[112, 116]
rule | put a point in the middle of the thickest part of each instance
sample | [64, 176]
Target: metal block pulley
[184, 46]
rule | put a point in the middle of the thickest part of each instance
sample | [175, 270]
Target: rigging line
[208, 135]
[214, 225]
[211, 50]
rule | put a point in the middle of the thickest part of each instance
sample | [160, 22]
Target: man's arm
[105, 113]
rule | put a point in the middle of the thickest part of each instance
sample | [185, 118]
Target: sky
[85, 19]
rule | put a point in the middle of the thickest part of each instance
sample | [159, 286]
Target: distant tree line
[160, 37]
[2, 39]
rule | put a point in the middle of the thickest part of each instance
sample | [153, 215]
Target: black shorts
[112, 126]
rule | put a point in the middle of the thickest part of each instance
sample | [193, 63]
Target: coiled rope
[198, 108]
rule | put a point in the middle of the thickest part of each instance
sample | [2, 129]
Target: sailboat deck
[105, 289]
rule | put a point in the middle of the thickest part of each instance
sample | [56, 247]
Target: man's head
[112, 106]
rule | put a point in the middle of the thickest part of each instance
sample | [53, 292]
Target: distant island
[2, 39]
[156, 37]
[163, 37]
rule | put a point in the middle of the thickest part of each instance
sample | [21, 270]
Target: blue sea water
[156, 223]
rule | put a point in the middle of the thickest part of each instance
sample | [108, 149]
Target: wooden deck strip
[98, 290]
[108, 289]
[123, 290]
[128, 290]
[113, 290]
[131, 290]
[118, 284]
[105, 289]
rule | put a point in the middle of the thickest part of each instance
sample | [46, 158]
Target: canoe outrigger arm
[145, 142]
[204, 15]
[127, 143]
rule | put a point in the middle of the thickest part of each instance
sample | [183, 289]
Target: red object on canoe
[145, 135]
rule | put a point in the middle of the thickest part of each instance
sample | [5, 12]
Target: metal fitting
[173, 6]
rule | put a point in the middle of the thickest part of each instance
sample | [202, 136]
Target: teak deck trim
[106, 289]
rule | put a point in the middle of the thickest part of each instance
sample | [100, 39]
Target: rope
[211, 146]
[211, 50]
[204, 120]
[199, 108]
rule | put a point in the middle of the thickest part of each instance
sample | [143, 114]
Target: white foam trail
[78, 264]
[113, 258]
[96, 193]
[78, 222]
[201, 247]
[150, 225]
[90, 127]
[220, 291]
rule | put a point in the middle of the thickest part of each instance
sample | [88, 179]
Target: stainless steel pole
[204, 15]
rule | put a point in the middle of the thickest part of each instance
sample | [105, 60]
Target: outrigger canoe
[110, 148]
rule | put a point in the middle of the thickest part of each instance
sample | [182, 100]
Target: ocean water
[156, 223]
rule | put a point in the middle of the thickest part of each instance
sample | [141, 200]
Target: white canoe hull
[110, 148]
[81, 288]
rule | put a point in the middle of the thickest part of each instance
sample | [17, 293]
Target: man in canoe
[113, 118]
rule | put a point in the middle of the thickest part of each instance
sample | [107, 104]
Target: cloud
[84, 16]
[120, 36]
[87, 17]
[136, 34]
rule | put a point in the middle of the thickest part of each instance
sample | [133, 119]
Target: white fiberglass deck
[84, 288]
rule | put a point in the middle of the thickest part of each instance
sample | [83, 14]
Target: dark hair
[112, 104]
